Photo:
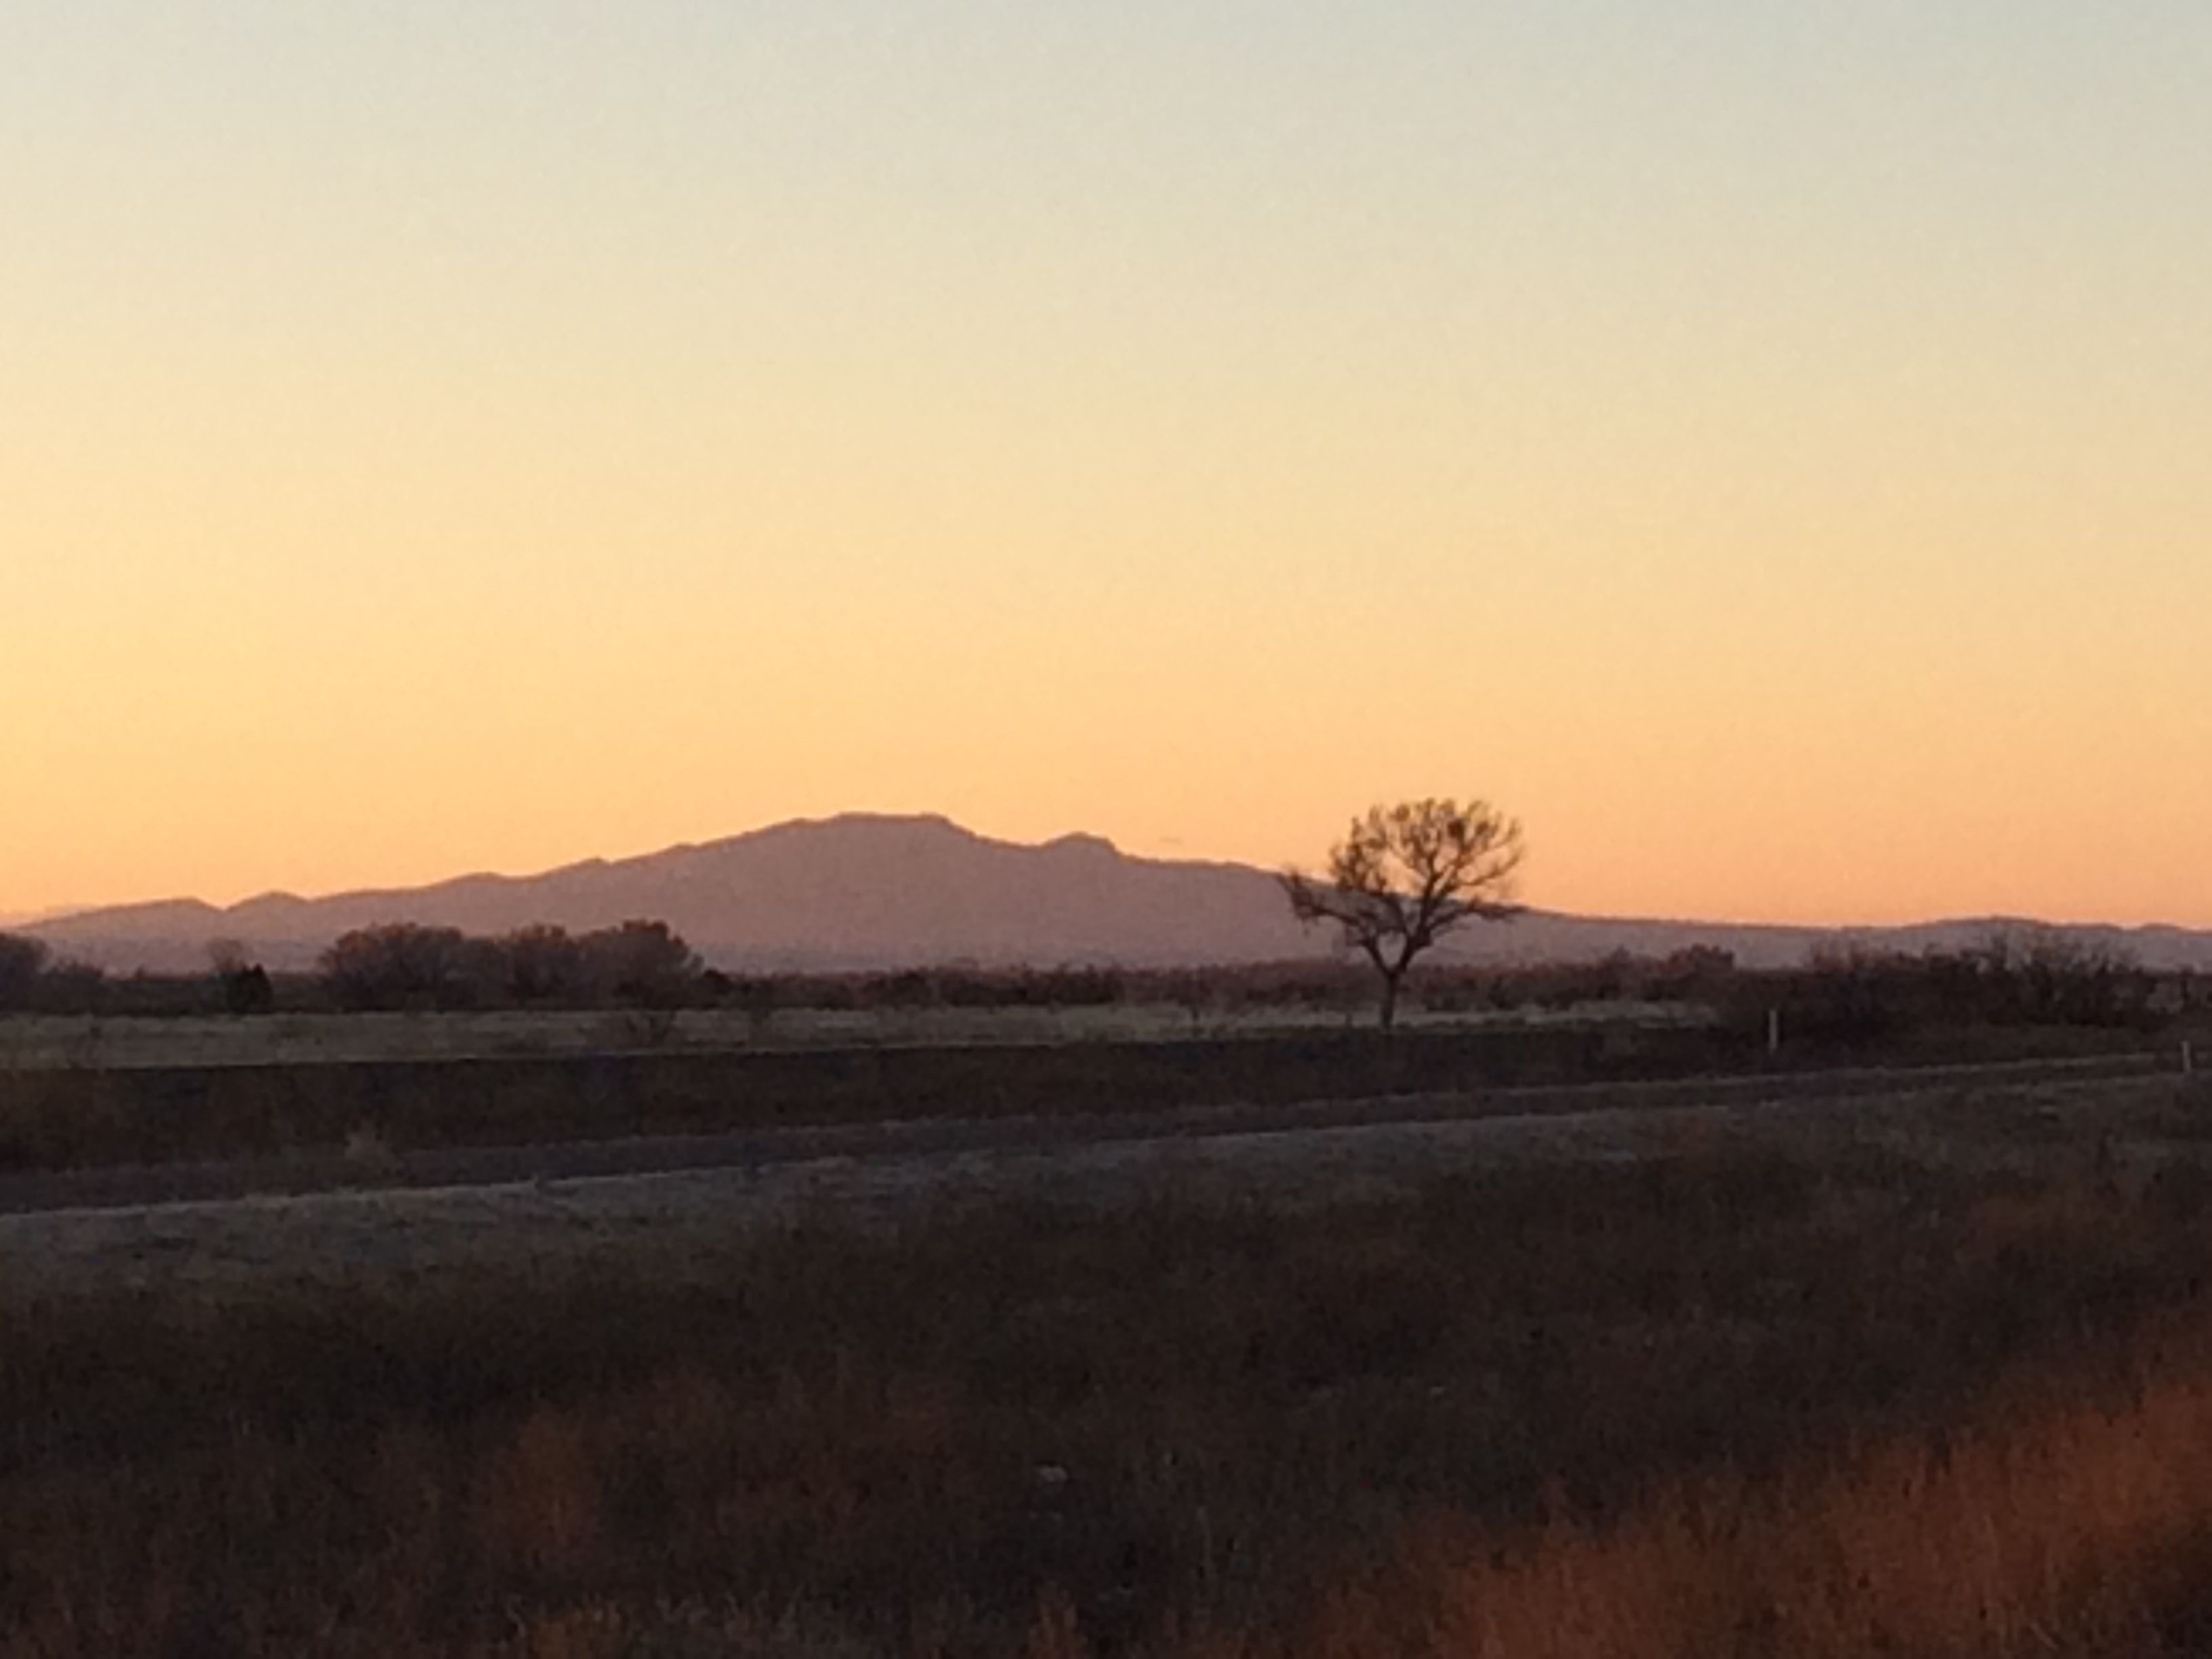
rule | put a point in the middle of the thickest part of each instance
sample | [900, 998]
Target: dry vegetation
[1732, 1400]
[60, 1119]
[53, 1042]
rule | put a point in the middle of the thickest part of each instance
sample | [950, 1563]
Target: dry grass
[50, 1041]
[1727, 1403]
[2062, 1527]
[61, 1118]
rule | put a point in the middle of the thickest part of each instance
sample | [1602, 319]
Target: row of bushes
[2043, 979]
[639, 963]
[400, 966]
[2046, 979]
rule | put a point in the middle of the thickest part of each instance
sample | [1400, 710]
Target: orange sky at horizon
[1766, 454]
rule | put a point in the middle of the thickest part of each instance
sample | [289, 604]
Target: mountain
[17, 919]
[869, 891]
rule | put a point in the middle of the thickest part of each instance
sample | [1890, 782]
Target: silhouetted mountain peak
[1082, 845]
[871, 826]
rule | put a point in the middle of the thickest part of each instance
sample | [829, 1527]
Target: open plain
[1187, 1348]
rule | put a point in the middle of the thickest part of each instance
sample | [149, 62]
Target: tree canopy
[1405, 876]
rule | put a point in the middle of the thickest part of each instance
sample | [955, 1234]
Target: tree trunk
[1389, 1008]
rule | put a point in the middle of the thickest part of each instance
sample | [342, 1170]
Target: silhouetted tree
[641, 962]
[544, 964]
[401, 965]
[22, 963]
[244, 983]
[1405, 876]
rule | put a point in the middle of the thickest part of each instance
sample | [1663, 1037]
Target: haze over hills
[870, 892]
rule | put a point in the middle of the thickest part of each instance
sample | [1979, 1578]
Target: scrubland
[63, 1042]
[1747, 1393]
[62, 1118]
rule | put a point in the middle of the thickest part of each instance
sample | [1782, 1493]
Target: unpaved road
[545, 1204]
[132, 1186]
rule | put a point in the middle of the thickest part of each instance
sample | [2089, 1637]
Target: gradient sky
[1768, 447]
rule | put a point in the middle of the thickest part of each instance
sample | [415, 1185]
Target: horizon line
[52, 915]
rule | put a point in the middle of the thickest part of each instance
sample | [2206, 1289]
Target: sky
[1763, 447]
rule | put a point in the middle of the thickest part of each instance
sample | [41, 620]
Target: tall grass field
[1729, 1400]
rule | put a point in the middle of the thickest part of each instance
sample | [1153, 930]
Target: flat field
[55, 1118]
[306, 1089]
[31, 1041]
[1926, 1374]
[1238, 1157]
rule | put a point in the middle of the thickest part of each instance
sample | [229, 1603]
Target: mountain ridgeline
[866, 891]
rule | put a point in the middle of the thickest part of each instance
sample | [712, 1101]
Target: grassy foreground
[1732, 1402]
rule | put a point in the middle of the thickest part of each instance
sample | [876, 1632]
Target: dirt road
[538, 1203]
[373, 1169]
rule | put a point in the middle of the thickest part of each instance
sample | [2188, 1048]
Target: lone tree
[1405, 876]
[245, 983]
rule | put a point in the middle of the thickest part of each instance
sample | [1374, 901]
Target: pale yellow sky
[1768, 455]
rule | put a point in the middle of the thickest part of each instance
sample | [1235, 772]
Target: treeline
[397, 967]
[402, 966]
[32, 981]
[1842, 997]
[2038, 979]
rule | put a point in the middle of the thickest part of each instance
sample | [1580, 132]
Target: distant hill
[15, 920]
[868, 892]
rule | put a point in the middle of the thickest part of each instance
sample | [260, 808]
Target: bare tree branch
[1405, 876]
